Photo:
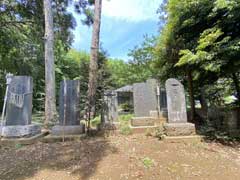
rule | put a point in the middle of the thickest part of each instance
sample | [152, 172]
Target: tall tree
[93, 67]
[50, 99]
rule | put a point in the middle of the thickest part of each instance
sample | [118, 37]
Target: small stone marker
[176, 102]
[145, 98]
[69, 115]
[177, 115]
[19, 108]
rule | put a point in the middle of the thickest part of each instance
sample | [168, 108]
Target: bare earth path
[120, 157]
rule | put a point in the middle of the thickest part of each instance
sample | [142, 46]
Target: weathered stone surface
[143, 121]
[68, 130]
[154, 114]
[145, 98]
[69, 101]
[19, 103]
[142, 129]
[20, 131]
[176, 102]
[163, 99]
[179, 129]
[110, 111]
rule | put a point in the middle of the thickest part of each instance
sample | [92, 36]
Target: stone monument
[69, 111]
[145, 98]
[177, 114]
[19, 108]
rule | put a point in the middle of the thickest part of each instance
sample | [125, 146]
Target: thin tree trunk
[190, 87]
[203, 101]
[50, 99]
[236, 83]
[93, 67]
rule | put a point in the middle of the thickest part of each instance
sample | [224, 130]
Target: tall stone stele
[177, 124]
[19, 109]
[69, 110]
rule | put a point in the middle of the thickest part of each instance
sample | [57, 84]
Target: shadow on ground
[216, 136]
[79, 158]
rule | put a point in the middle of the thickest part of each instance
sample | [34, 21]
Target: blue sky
[124, 23]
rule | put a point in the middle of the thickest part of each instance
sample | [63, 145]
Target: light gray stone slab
[145, 98]
[176, 102]
[68, 130]
[179, 129]
[20, 131]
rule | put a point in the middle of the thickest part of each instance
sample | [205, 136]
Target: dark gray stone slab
[69, 101]
[176, 102]
[145, 98]
[19, 101]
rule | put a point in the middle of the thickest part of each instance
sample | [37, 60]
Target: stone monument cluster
[17, 111]
[152, 104]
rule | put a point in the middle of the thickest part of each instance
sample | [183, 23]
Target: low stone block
[142, 129]
[179, 129]
[143, 121]
[20, 131]
[68, 130]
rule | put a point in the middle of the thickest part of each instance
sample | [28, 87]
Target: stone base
[179, 129]
[20, 131]
[143, 121]
[68, 130]
[142, 129]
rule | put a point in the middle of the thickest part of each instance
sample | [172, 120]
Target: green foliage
[147, 162]
[95, 121]
[127, 107]
[124, 124]
[199, 38]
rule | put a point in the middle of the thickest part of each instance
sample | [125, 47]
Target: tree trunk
[203, 101]
[190, 87]
[50, 99]
[236, 83]
[93, 67]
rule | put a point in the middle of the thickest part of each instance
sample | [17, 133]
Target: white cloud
[131, 10]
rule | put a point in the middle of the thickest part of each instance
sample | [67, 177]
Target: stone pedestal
[68, 130]
[179, 129]
[20, 131]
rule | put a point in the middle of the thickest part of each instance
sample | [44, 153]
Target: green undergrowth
[124, 124]
[96, 121]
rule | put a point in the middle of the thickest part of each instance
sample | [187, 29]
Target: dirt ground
[120, 157]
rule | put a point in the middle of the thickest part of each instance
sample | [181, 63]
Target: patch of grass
[125, 130]
[147, 162]
[125, 118]
[18, 146]
[124, 124]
